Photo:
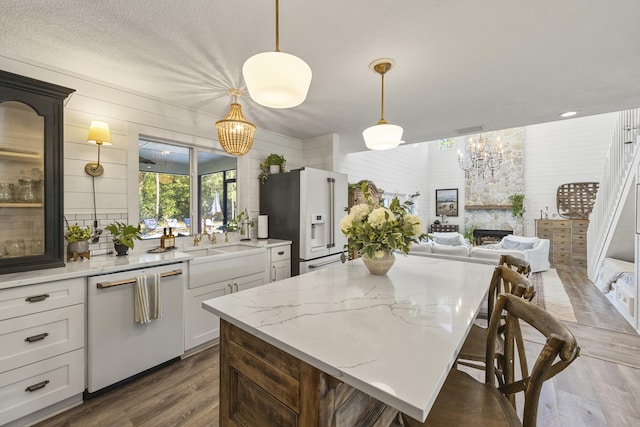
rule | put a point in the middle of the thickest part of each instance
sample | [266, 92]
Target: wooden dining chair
[504, 280]
[464, 401]
[520, 265]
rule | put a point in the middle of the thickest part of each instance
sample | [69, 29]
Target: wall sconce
[98, 134]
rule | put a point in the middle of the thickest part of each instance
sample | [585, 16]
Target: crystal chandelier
[480, 157]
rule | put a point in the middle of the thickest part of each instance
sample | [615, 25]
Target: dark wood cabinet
[31, 159]
[443, 228]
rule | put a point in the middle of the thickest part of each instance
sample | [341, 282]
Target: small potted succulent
[123, 236]
[77, 238]
[273, 163]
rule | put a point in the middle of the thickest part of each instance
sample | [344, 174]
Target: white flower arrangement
[374, 230]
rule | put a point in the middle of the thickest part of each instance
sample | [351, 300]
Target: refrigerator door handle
[332, 201]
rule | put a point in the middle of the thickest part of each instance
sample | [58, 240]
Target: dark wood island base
[261, 385]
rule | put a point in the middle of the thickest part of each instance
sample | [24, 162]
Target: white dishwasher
[117, 346]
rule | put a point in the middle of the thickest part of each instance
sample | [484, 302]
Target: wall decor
[447, 202]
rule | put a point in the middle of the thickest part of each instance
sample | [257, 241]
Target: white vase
[379, 266]
[273, 169]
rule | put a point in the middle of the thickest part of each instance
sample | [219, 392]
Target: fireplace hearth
[485, 237]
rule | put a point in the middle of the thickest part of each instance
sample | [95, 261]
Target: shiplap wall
[560, 152]
[555, 153]
[130, 115]
[402, 171]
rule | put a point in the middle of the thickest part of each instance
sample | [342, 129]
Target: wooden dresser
[443, 228]
[567, 240]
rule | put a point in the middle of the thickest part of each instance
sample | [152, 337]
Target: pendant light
[234, 132]
[277, 79]
[382, 136]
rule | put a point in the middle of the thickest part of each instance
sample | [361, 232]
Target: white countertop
[100, 264]
[394, 337]
[103, 264]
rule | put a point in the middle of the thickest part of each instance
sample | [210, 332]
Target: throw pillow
[509, 244]
[451, 241]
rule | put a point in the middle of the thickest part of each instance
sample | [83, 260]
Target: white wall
[129, 115]
[401, 171]
[561, 152]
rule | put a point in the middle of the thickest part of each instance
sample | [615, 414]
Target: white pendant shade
[277, 79]
[382, 136]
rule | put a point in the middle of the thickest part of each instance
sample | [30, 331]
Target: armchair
[532, 249]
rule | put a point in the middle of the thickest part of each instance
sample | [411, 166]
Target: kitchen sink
[232, 249]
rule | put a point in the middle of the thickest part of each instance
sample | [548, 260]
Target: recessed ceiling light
[568, 114]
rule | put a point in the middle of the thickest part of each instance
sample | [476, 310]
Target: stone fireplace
[485, 237]
[487, 205]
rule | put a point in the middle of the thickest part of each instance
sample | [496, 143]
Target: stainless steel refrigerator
[306, 206]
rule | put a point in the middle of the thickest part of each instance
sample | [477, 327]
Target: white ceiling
[460, 63]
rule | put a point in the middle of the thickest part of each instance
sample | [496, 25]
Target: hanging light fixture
[234, 132]
[382, 136]
[480, 157]
[277, 79]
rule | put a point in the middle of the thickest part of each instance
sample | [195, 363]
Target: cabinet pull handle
[236, 285]
[36, 337]
[273, 276]
[230, 287]
[37, 386]
[281, 253]
[37, 298]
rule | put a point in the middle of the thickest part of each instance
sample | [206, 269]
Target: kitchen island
[341, 346]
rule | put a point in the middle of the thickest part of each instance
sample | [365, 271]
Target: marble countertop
[103, 264]
[394, 337]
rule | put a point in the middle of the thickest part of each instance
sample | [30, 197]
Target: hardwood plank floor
[600, 388]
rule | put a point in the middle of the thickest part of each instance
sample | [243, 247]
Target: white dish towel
[155, 303]
[141, 300]
[147, 302]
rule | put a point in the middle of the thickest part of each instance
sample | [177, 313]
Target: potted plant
[77, 238]
[517, 205]
[273, 163]
[244, 223]
[374, 233]
[123, 236]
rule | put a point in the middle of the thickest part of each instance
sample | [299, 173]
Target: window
[165, 187]
[446, 144]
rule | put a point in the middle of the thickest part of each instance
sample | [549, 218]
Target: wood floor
[601, 388]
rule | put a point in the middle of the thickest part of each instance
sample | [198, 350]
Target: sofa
[453, 245]
[445, 243]
[532, 249]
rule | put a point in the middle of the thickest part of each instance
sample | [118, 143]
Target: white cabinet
[209, 278]
[279, 262]
[41, 346]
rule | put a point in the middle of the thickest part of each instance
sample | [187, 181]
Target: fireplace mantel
[487, 207]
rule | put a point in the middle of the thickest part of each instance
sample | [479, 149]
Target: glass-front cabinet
[31, 229]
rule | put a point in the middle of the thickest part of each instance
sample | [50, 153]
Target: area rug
[551, 295]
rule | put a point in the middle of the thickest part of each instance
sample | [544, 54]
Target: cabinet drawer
[29, 339]
[280, 253]
[219, 270]
[562, 258]
[561, 225]
[545, 234]
[30, 299]
[580, 226]
[579, 246]
[51, 381]
[562, 241]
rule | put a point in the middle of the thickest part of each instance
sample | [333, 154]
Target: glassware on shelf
[26, 192]
[7, 192]
[14, 247]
